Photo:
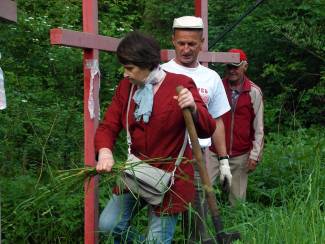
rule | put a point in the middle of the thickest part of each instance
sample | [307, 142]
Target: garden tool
[225, 186]
[222, 237]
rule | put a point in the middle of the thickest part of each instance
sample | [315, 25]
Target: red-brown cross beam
[8, 10]
[91, 43]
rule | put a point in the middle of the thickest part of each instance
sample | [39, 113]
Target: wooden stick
[222, 237]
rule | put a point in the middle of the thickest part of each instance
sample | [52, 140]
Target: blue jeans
[115, 219]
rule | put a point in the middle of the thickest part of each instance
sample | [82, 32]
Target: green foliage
[117, 18]
[284, 41]
[56, 220]
[160, 25]
[290, 172]
[286, 192]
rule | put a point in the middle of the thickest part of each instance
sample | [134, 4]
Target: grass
[286, 194]
[285, 199]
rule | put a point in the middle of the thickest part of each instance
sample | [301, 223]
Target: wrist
[223, 157]
[105, 153]
[104, 150]
[253, 160]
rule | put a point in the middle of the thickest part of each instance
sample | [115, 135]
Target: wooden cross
[91, 43]
[8, 11]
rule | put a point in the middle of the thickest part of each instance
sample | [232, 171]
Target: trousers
[239, 175]
[120, 209]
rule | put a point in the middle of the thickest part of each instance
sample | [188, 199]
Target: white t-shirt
[210, 87]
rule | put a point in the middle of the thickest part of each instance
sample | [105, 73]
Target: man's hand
[105, 160]
[225, 171]
[251, 165]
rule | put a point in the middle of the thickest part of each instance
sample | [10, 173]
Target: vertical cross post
[91, 43]
[91, 111]
[201, 10]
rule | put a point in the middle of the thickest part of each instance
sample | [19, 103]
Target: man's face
[188, 44]
[235, 74]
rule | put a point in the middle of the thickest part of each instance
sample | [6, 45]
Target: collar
[189, 69]
[245, 86]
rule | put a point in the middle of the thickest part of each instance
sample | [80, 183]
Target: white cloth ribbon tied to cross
[93, 65]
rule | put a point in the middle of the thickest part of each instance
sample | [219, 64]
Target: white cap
[188, 22]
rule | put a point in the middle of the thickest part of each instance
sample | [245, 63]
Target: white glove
[225, 171]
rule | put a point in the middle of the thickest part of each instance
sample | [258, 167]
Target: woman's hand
[105, 160]
[185, 100]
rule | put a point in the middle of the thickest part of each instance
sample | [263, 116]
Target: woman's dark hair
[139, 49]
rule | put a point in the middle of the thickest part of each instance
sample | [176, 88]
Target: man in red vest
[244, 127]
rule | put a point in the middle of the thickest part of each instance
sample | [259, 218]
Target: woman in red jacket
[157, 130]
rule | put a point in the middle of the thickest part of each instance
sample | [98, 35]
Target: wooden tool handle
[196, 148]
[222, 237]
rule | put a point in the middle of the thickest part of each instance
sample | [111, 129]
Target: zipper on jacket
[233, 108]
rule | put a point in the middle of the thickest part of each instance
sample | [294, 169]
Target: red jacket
[244, 127]
[162, 136]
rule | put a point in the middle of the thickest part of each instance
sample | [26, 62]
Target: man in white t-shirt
[188, 39]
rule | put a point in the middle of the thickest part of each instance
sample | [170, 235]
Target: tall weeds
[285, 199]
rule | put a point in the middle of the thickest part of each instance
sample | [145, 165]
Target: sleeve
[258, 124]
[219, 103]
[111, 125]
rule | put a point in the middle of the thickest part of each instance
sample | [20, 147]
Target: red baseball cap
[242, 56]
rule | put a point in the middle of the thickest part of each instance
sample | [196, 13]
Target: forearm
[218, 138]
[258, 126]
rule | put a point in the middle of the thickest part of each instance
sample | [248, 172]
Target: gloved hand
[225, 171]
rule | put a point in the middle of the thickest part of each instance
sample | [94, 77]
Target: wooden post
[91, 111]
[201, 10]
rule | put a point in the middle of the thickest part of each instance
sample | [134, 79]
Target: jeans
[115, 219]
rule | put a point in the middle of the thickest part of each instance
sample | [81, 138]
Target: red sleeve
[205, 124]
[111, 125]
